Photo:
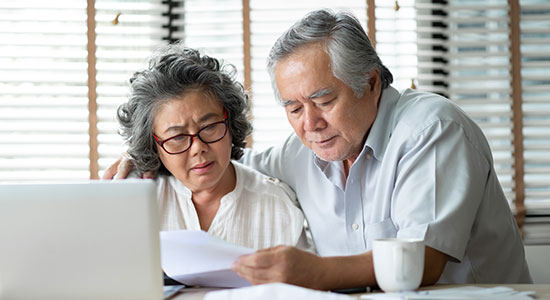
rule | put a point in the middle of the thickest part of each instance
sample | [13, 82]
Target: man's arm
[294, 266]
[276, 161]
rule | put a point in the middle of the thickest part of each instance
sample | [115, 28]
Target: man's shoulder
[418, 110]
[293, 143]
[290, 150]
[420, 116]
[417, 104]
[259, 183]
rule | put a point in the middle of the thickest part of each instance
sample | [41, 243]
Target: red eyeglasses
[208, 134]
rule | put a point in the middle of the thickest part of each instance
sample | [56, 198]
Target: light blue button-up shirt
[425, 171]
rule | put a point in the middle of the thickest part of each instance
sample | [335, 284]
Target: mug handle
[398, 263]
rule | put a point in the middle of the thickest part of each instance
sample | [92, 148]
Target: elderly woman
[186, 123]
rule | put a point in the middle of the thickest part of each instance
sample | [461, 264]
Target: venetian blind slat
[397, 33]
[127, 32]
[535, 61]
[43, 91]
[215, 28]
[463, 53]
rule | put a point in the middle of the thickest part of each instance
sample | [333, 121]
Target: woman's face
[204, 166]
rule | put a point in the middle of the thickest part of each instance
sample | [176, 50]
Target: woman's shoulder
[271, 206]
[170, 186]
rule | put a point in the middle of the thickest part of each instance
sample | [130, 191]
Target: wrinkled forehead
[191, 108]
[306, 74]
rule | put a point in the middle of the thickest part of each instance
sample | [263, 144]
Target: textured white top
[260, 212]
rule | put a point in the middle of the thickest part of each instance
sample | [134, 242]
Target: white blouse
[260, 212]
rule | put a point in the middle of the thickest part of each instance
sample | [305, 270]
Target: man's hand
[120, 168]
[294, 266]
[281, 264]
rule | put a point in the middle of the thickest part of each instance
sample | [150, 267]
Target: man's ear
[375, 85]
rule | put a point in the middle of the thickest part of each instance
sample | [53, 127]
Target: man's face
[324, 112]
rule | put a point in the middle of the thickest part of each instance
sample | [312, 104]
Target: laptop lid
[86, 240]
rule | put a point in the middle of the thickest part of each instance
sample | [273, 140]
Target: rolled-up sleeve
[438, 188]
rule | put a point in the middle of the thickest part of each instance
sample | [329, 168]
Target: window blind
[458, 49]
[43, 90]
[535, 50]
[535, 62]
[268, 20]
[215, 28]
[479, 81]
[433, 46]
[396, 40]
[127, 32]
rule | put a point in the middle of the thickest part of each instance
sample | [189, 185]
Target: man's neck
[348, 163]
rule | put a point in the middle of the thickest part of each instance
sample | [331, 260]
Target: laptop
[85, 240]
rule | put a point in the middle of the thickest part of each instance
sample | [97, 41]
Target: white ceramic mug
[398, 263]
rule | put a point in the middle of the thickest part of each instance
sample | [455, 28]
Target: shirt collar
[382, 127]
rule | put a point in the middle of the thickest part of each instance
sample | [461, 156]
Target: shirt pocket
[382, 229]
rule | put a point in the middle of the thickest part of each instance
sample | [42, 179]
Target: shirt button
[368, 156]
[355, 226]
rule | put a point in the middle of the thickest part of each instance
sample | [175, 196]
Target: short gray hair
[173, 71]
[351, 53]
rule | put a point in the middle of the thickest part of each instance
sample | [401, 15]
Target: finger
[111, 170]
[255, 275]
[265, 250]
[147, 175]
[270, 249]
[278, 248]
[260, 259]
[124, 168]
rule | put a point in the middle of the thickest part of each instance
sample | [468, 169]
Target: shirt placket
[354, 211]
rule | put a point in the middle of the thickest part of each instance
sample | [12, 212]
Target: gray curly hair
[173, 71]
[352, 56]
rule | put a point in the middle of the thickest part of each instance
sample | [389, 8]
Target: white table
[542, 290]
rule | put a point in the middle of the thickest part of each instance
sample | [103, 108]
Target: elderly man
[368, 162]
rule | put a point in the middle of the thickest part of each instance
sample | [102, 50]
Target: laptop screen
[80, 240]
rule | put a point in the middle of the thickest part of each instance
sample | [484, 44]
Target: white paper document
[460, 293]
[274, 291]
[193, 257]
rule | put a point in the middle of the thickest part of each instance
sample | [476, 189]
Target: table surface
[542, 290]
